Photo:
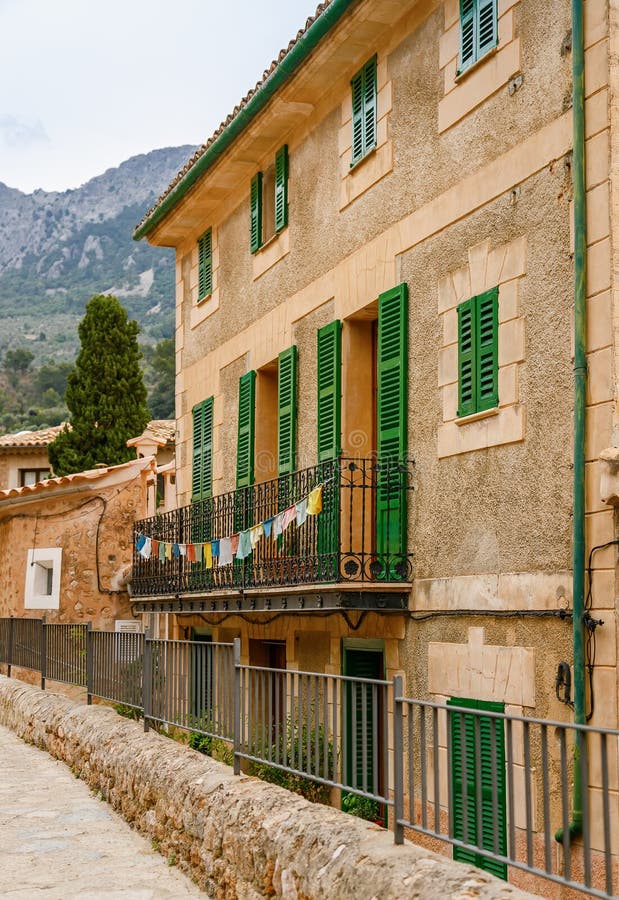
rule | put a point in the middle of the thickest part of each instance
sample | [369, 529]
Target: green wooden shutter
[362, 664]
[467, 33]
[246, 423]
[364, 110]
[486, 339]
[256, 212]
[467, 379]
[329, 390]
[369, 106]
[287, 411]
[281, 188]
[202, 456]
[356, 86]
[463, 725]
[487, 27]
[392, 376]
[205, 265]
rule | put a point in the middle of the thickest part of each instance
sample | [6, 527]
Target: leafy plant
[129, 712]
[362, 807]
[292, 746]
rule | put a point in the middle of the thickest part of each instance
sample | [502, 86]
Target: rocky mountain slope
[57, 249]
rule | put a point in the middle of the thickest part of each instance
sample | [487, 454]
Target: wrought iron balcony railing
[360, 536]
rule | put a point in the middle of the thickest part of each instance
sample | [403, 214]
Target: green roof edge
[287, 67]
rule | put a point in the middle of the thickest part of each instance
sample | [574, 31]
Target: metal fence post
[398, 761]
[89, 663]
[10, 647]
[43, 653]
[147, 679]
[237, 705]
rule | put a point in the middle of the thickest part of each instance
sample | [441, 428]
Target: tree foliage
[161, 393]
[105, 393]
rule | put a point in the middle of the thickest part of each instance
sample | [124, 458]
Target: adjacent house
[158, 441]
[23, 457]
[384, 260]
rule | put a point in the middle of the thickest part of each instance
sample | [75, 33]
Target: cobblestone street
[60, 841]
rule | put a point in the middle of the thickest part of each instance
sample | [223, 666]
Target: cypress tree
[105, 393]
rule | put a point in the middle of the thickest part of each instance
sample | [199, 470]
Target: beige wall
[11, 463]
[471, 187]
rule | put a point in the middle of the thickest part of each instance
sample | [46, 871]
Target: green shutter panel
[202, 456]
[369, 106]
[287, 411]
[488, 827]
[361, 664]
[467, 379]
[462, 728]
[486, 37]
[205, 265]
[281, 188]
[246, 423]
[256, 212]
[357, 117]
[329, 390]
[486, 353]
[491, 813]
[467, 33]
[392, 377]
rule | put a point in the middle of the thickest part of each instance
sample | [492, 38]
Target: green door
[362, 723]
[201, 680]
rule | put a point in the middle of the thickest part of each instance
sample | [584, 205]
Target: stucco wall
[239, 837]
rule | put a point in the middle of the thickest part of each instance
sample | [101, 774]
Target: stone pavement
[58, 841]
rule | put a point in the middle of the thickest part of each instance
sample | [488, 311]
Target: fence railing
[359, 536]
[499, 788]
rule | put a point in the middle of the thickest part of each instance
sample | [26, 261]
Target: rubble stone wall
[237, 837]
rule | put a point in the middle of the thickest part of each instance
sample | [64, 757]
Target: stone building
[67, 543]
[377, 259]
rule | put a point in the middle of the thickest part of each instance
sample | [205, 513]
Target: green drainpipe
[580, 387]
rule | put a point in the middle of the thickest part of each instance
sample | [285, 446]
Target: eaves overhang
[282, 72]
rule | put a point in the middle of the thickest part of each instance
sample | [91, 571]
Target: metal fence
[501, 789]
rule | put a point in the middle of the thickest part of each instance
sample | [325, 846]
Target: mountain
[57, 249]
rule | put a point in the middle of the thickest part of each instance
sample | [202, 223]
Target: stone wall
[237, 836]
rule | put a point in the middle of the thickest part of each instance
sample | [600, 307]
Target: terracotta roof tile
[30, 438]
[163, 431]
[237, 109]
[78, 478]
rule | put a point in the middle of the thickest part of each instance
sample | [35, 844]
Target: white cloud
[18, 133]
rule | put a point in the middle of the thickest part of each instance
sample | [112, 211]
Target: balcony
[352, 555]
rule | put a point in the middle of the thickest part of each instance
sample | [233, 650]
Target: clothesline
[234, 546]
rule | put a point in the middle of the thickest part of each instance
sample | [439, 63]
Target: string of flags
[224, 550]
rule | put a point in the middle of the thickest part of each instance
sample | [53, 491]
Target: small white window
[43, 579]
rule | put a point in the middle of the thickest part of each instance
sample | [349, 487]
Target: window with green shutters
[269, 201]
[392, 378]
[478, 773]
[202, 455]
[287, 411]
[329, 377]
[246, 429]
[205, 265]
[478, 356]
[364, 111]
[478, 30]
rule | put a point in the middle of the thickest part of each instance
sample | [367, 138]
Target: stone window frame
[378, 162]
[504, 266]
[466, 90]
[201, 309]
[41, 590]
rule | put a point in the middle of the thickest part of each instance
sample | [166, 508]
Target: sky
[84, 85]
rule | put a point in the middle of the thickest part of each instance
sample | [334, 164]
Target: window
[43, 579]
[478, 353]
[246, 428]
[287, 411]
[269, 201]
[478, 30]
[202, 459]
[205, 265]
[32, 476]
[329, 356]
[364, 111]
[478, 773]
